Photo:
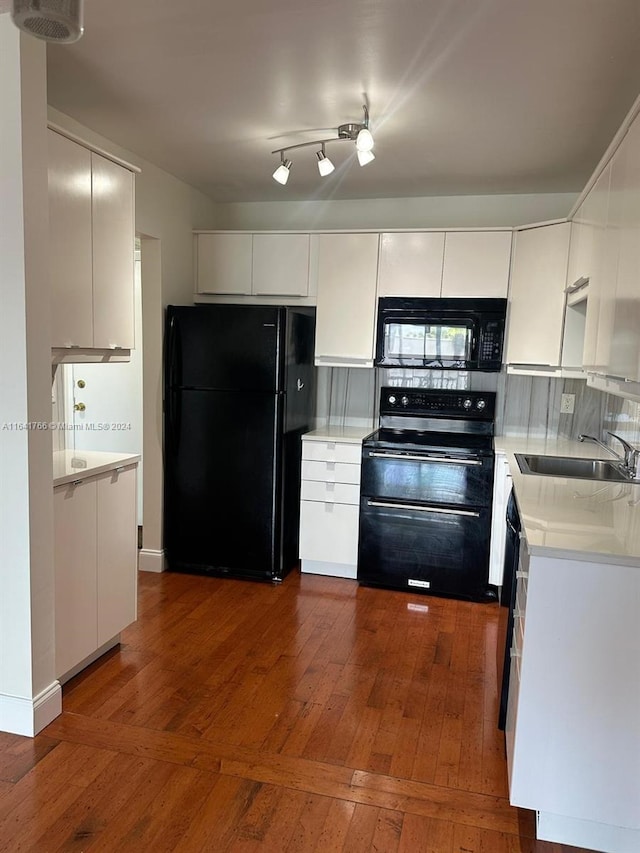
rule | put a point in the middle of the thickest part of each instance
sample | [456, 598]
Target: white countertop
[339, 433]
[574, 519]
[70, 465]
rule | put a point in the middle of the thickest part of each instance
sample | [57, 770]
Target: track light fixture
[281, 174]
[58, 21]
[325, 166]
[357, 132]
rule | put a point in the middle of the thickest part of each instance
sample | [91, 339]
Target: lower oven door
[424, 548]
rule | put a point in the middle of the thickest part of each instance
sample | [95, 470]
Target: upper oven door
[441, 478]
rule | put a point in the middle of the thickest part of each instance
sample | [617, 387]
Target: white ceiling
[465, 96]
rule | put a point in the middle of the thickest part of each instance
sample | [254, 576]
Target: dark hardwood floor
[311, 716]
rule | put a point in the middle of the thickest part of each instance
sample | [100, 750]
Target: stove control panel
[437, 403]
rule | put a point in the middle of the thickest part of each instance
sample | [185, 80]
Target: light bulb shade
[281, 174]
[52, 20]
[325, 166]
[365, 157]
[364, 140]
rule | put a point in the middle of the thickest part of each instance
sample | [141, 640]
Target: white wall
[436, 212]
[167, 211]
[29, 693]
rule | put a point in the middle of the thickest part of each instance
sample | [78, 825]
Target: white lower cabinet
[573, 730]
[95, 564]
[330, 507]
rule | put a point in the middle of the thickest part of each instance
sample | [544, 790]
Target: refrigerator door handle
[174, 367]
[174, 359]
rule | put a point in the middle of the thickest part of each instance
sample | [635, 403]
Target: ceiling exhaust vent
[52, 20]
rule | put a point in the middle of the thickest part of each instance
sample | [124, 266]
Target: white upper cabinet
[411, 263]
[346, 300]
[70, 266]
[223, 263]
[607, 266]
[271, 265]
[598, 204]
[454, 264]
[624, 352]
[476, 263]
[91, 239]
[280, 265]
[536, 298]
[112, 208]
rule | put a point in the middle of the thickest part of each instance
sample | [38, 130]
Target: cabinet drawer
[332, 451]
[329, 532]
[330, 472]
[342, 493]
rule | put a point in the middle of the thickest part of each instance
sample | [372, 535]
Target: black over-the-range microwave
[441, 334]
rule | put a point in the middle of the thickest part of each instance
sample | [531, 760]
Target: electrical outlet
[567, 404]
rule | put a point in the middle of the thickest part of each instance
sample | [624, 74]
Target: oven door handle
[434, 459]
[439, 510]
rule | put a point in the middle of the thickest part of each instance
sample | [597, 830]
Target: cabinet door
[476, 263]
[112, 204]
[411, 263]
[329, 532]
[579, 267]
[223, 263]
[74, 509]
[116, 552]
[70, 265]
[608, 265]
[597, 221]
[625, 337]
[280, 264]
[346, 301]
[536, 308]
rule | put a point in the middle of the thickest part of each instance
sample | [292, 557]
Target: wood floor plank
[214, 826]
[166, 819]
[361, 830]
[426, 835]
[19, 754]
[386, 836]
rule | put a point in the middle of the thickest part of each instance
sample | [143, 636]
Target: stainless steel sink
[567, 466]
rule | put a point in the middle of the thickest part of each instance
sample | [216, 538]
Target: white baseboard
[334, 570]
[151, 561]
[27, 717]
[587, 833]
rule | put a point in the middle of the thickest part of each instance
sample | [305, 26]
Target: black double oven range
[426, 493]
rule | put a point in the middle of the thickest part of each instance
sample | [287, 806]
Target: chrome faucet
[629, 462]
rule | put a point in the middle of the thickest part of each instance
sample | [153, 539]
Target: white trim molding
[20, 716]
[150, 560]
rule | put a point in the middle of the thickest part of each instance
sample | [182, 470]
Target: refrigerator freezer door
[222, 488]
[225, 347]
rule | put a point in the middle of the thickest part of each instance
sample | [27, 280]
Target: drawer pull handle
[76, 482]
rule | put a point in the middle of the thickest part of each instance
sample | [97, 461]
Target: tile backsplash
[527, 406]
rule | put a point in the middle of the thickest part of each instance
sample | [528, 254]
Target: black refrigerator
[239, 394]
